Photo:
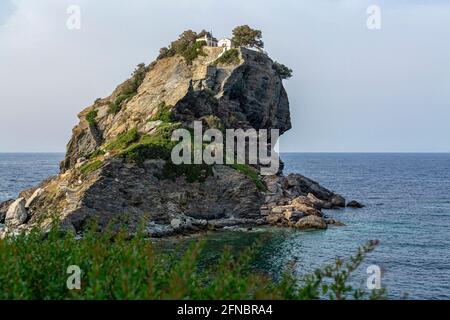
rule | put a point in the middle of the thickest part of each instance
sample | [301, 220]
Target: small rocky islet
[117, 167]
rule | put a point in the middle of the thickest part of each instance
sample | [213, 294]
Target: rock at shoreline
[355, 204]
[34, 197]
[311, 222]
[4, 208]
[16, 214]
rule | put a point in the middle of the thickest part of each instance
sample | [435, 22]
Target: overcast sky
[353, 90]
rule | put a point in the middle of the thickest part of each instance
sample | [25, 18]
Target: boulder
[336, 223]
[16, 214]
[311, 222]
[34, 197]
[293, 216]
[318, 203]
[355, 204]
[304, 205]
[4, 208]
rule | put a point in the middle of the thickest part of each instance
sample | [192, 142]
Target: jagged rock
[298, 185]
[293, 216]
[355, 204]
[16, 214]
[34, 197]
[4, 208]
[336, 223]
[311, 222]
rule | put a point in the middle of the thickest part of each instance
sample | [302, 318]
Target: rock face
[16, 214]
[355, 204]
[117, 170]
[3, 209]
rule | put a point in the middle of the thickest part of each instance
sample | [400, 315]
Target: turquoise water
[408, 210]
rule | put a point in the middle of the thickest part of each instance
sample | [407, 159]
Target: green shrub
[230, 57]
[155, 146]
[91, 167]
[129, 88]
[124, 139]
[252, 173]
[90, 117]
[95, 154]
[115, 268]
[193, 51]
[283, 71]
[163, 114]
[186, 45]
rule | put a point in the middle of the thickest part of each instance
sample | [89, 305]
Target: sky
[354, 89]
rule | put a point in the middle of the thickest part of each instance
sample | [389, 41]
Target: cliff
[117, 167]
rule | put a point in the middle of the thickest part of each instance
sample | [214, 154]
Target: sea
[407, 198]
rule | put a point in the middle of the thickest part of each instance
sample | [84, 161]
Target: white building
[210, 41]
[225, 43]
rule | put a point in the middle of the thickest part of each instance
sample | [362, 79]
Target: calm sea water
[408, 210]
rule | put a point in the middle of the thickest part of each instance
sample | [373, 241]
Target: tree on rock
[283, 71]
[246, 36]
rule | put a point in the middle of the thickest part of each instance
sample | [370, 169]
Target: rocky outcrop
[117, 170]
[16, 214]
[355, 204]
[3, 209]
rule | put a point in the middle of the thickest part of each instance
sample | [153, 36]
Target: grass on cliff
[252, 173]
[90, 117]
[91, 167]
[229, 57]
[129, 88]
[163, 114]
[114, 267]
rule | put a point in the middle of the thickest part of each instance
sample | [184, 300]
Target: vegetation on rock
[252, 173]
[246, 36]
[129, 88]
[186, 45]
[228, 57]
[113, 267]
[283, 71]
[90, 117]
[91, 167]
[163, 114]
[123, 140]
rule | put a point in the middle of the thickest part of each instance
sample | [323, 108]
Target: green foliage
[186, 45]
[129, 88]
[283, 71]
[246, 36]
[230, 57]
[123, 140]
[113, 267]
[163, 114]
[95, 154]
[155, 146]
[90, 117]
[193, 51]
[252, 173]
[91, 167]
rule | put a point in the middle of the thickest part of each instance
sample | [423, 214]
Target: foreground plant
[116, 267]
